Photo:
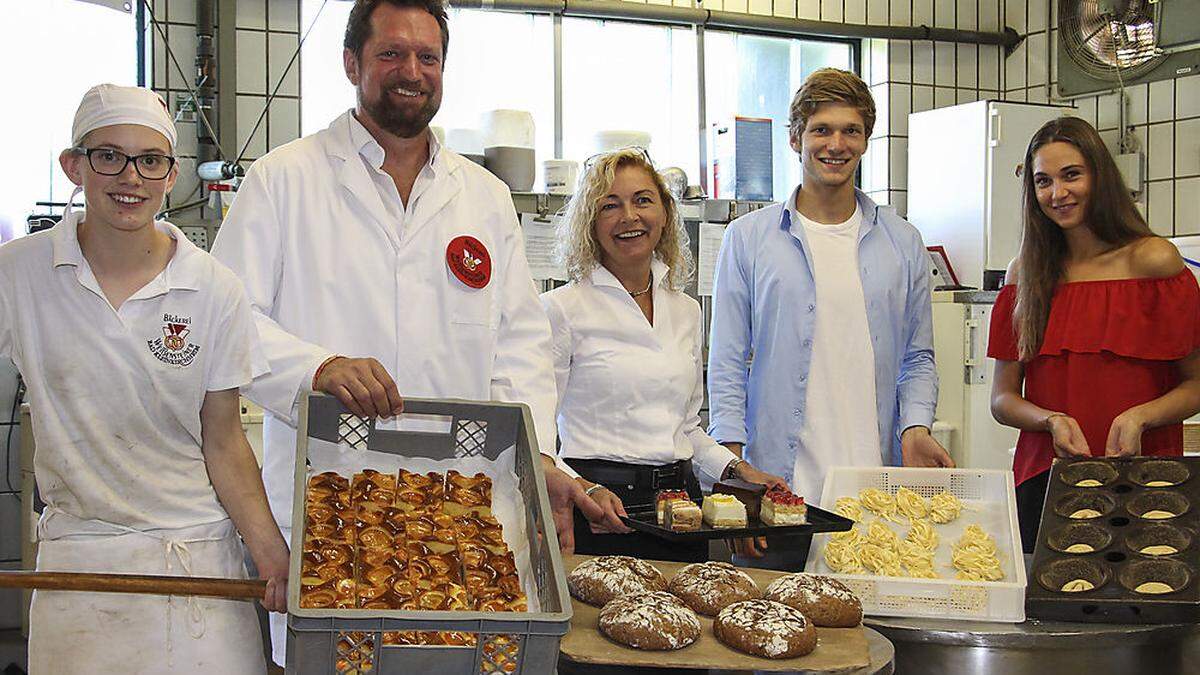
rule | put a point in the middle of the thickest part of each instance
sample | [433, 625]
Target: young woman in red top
[1095, 335]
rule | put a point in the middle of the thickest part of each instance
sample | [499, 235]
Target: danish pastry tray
[351, 641]
[1122, 492]
[819, 520]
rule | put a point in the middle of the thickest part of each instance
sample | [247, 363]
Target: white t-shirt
[115, 396]
[840, 421]
[629, 391]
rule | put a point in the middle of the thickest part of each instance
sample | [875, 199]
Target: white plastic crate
[988, 500]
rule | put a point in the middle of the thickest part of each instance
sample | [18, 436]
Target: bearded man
[378, 262]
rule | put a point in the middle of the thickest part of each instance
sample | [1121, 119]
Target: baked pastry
[467, 494]
[710, 587]
[599, 580]
[724, 511]
[682, 515]
[664, 497]
[781, 506]
[749, 494]
[827, 602]
[651, 621]
[765, 628]
[420, 492]
[373, 486]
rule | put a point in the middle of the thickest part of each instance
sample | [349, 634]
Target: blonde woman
[627, 354]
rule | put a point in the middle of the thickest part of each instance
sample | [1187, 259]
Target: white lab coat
[328, 273]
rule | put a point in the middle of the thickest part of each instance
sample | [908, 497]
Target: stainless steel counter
[933, 646]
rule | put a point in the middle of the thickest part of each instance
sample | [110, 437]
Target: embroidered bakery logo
[173, 347]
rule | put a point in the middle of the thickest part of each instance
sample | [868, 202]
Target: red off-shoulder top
[1109, 345]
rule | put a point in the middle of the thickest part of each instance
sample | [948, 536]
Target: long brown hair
[1111, 216]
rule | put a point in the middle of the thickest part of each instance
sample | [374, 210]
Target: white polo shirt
[116, 395]
[628, 390]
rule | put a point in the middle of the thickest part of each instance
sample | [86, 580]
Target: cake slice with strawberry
[781, 506]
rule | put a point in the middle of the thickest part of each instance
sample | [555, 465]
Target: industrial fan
[1106, 44]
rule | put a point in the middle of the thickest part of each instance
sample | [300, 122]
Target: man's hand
[1068, 437]
[362, 385]
[919, 448]
[1125, 435]
[565, 495]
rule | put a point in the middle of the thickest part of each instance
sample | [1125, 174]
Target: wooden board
[837, 648]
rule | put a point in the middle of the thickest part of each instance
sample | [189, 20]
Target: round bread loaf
[825, 601]
[652, 621]
[710, 587]
[599, 580]
[765, 628]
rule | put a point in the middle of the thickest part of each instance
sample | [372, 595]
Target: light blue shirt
[765, 304]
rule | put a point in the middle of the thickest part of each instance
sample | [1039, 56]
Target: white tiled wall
[267, 34]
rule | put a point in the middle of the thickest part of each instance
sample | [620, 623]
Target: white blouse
[629, 391]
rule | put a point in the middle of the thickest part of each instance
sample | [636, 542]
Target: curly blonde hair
[578, 249]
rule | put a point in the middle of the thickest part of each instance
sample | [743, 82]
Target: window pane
[755, 76]
[75, 46]
[482, 72]
[623, 76]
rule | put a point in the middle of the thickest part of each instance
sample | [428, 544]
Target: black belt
[634, 476]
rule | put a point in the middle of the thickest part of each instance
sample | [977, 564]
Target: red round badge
[469, 260]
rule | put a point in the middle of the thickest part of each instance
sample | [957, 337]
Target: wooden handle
[245, 589]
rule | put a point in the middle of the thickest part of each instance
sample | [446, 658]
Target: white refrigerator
[963, 420]
[964, 190]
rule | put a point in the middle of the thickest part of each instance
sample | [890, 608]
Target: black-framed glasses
[642, 152]
[110, 162]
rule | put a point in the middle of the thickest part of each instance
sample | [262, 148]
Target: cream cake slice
[782, 507]
[682, 515]
[724, 511]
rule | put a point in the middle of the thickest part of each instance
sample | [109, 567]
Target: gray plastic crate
[523, 643]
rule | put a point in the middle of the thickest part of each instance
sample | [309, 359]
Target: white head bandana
[108, 104]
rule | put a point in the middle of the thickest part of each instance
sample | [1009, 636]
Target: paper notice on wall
[711, 235]
[540, 233]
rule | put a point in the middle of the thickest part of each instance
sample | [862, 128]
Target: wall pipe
[735, 21]
[206, 79]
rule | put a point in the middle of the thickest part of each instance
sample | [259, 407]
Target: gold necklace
[634, 294]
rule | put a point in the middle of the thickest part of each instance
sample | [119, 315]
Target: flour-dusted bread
[765, 628]
[824, 600]
[601, 579]
[652, 621]
[710, 587]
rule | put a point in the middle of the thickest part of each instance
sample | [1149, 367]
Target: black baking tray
[1118, 537]
[819, 520]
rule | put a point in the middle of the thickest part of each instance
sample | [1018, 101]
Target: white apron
[78, 632]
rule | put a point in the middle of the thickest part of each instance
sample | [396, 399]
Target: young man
[133, 344]
[370, 239]
[822, 347]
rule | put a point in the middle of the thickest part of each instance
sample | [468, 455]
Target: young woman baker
[133, 344]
